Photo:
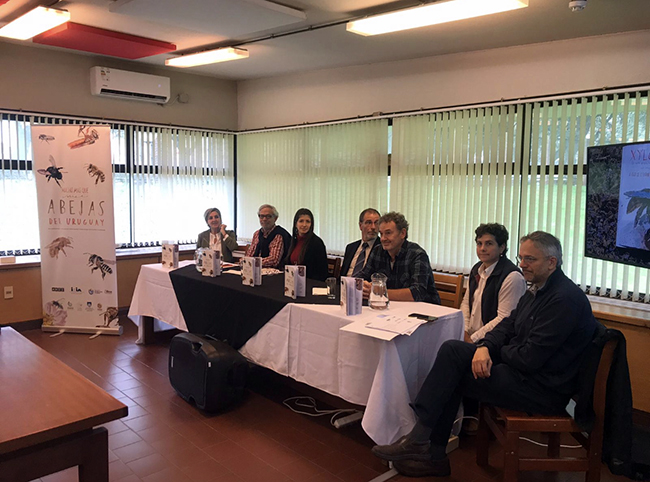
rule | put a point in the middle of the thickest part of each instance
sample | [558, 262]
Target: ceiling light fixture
[431, 14]
[208, 57]
[34, 22]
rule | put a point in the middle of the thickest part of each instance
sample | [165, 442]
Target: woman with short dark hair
[495, 283]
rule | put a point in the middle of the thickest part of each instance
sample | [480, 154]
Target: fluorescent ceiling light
[39, 20]
[431, 14]
[208, 57]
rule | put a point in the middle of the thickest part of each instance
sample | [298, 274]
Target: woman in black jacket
[306, 248]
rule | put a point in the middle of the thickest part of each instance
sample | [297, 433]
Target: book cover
[169, 258]
[211, 265]
[351, 295]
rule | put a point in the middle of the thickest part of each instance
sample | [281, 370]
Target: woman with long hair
[306, 248]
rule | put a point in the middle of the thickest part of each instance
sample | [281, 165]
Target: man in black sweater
[529, 362]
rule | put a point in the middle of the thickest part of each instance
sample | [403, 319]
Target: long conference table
[305, 342]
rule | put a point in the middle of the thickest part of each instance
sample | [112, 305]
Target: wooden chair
[507, 425]
[334, 266]
[450, 288]
[240, 251]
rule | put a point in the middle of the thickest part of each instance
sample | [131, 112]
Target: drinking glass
[331, 288]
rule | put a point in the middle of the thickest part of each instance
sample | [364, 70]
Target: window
[554, 181]
[163, 180]
[336, 171]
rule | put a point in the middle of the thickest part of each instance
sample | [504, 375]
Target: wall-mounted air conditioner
[121, 84]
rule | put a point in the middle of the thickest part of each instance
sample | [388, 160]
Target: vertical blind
[336, 171]
[522, 165]
[163, 180]
[451, 171]
[177, 175]
[554, 180]
[18, 212]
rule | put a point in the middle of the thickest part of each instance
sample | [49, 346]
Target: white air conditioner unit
[121, 84]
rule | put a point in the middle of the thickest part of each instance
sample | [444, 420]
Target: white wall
[447, 80]
[52, 81]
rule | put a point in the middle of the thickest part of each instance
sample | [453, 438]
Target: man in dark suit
[354, 259]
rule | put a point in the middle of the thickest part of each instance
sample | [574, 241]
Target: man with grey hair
[271, 241]
[528, 362]
[405, 264]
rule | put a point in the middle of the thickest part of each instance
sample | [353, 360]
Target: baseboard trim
[26, 325]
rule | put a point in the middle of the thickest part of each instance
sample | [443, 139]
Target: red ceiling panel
[105, 42]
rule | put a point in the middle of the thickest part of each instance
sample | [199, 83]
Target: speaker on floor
[206, 372]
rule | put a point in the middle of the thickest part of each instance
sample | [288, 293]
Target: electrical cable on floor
[309, 403]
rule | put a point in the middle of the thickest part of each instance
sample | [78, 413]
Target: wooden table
[48, 413]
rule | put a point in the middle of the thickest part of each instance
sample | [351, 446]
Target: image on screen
[618, 203]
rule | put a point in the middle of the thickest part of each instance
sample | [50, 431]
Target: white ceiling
[195, 25]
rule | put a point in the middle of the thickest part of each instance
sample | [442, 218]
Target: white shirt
[512, 288]
[215, 242]
[371, 243]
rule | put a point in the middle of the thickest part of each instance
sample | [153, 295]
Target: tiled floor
[165, 439]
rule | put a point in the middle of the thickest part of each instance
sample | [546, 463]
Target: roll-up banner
[74, 185]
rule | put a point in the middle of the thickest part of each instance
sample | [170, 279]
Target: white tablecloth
[154, 296]
[304, 342]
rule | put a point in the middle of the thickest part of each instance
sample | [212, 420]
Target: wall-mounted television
[618, 203]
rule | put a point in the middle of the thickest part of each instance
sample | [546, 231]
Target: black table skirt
[224, 308]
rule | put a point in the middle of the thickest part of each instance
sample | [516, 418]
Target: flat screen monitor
[618, 203]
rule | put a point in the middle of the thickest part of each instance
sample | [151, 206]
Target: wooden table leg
[88, 450]
[94, 466]
[146, 330]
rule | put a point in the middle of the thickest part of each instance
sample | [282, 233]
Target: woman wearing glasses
[306, 248]
[217, 237]
[271, 241]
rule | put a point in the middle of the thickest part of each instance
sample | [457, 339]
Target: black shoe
[403, 449]
[423, 468]
[469, 427]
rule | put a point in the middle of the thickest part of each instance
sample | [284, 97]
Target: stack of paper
[385, 326]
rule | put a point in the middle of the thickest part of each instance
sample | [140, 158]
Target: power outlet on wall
[9, 292]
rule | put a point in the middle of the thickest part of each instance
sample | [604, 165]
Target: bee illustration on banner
[111, 314]
[46, 138]
[95, 261]
[54, 314]
[89, 136]
[53, 172]
[59, 244]
[94, 171]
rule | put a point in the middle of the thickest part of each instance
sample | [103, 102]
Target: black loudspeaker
[208, 372]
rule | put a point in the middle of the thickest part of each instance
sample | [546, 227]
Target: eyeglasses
[265, 216]
[527, 259]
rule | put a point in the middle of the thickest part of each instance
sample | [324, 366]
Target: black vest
[490, 298]
[263, 243]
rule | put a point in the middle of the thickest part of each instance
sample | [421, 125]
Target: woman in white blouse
[217, 237]
[495, 283]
